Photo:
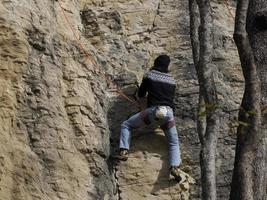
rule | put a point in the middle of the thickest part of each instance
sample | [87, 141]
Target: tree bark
[257, 27]
[208, 109]
[249, 176]
[194, 26]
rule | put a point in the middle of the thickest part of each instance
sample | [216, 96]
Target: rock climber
[159, 86]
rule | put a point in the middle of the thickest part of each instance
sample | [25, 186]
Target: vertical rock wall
[131, 34]
[59, 120]
[54, 138]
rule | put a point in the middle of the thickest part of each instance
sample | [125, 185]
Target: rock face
[60, 117]
[54, 134]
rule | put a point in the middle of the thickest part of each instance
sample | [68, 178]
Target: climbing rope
[94, 63]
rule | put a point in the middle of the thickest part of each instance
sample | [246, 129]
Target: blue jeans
[147, 117]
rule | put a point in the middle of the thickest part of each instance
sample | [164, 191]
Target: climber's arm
[142, 93]
[143, 88]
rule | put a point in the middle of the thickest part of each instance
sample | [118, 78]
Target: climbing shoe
[176, 173]
[122, 155]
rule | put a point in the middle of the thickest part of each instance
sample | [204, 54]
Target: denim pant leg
[133, 122]
[174, 149]
[173, 141]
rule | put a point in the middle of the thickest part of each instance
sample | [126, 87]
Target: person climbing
[159, 86]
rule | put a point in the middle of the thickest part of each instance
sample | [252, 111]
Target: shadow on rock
[148, 155]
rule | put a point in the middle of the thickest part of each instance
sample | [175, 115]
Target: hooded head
[161, 63]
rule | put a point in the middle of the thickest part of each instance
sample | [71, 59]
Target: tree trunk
[257, 27]
[208, 109]
[249, 176]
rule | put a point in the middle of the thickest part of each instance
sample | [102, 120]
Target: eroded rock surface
[54, 135]
[60, 117]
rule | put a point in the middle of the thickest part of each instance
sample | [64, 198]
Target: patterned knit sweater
[160, 88]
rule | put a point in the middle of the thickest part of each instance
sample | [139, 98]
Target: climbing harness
[168, 125]
[145, 117]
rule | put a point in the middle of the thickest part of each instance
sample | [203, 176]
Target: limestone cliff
[60, 117]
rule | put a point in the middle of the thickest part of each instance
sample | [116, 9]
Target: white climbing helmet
[161, 112]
